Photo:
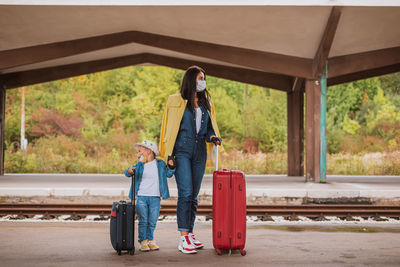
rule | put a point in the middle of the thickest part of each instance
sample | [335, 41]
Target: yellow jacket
[170, 126]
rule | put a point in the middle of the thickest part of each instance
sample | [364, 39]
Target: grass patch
[63, 154]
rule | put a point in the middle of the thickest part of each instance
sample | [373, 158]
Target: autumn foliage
[89, 123]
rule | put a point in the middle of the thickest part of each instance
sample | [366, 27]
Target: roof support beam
[298, 84]
[17, 79]
[295, 133]
[39, 53]
[312, 132]
[363, 74]
[29, 77]
[2, 125]
[366, 61]
[315, 103]
[264, 61]
[265, 79]
[321, 57]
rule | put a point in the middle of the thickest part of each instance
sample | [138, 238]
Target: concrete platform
[266, 189]
[88, 244]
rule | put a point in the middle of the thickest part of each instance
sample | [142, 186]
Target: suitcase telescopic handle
[216, 159]
[133, 201]
[133, 189]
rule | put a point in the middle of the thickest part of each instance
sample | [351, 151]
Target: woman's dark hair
[188, 88]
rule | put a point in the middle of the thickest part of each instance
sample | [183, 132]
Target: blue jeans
[147, 210]
[189, 175]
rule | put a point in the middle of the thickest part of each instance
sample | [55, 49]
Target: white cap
[148, 144]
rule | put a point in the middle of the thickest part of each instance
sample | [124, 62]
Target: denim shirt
[163, 173]
[188, 136]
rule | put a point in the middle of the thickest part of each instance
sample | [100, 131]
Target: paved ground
[87, 244]
[267, 189]
[111, 180]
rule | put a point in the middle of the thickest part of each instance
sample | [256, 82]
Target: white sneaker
[195, 242]
[152, 245]
[186, 246]
[144, 246]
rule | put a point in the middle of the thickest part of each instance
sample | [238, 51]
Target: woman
[188, 123]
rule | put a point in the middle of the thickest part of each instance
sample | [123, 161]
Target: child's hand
[132, 170]
[171, 162]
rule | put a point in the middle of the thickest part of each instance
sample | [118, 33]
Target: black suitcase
[122, 224]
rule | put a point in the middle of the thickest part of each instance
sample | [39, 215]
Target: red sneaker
[186, 245]
[196, 243]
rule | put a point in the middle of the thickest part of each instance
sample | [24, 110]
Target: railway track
[264, 212]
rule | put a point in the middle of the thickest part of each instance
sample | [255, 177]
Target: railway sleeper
[378, 218]
[102, 217]
[292, 217]
[348, 217]
[75, 217]
[266, 218]
[48, 216]
[319, 218]
[20, 216]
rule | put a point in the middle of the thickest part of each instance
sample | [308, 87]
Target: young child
[150, 184]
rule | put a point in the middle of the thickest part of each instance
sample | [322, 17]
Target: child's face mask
[142, 157]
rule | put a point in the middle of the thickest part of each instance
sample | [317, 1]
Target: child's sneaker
[186, 246]
[196, 243]
[144, 246]
[152, 245]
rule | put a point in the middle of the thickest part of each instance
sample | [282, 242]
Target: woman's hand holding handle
[216, 140]
[171, 162]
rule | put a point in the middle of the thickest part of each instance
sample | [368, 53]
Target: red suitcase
[229, 210]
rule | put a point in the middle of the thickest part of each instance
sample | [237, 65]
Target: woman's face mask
[201, 85]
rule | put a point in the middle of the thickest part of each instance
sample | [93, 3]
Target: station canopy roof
[263, 43]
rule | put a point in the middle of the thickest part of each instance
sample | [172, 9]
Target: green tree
[265, 118]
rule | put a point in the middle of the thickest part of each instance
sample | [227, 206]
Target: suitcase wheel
[119, 252]
[219, 252]
[243, 252]
[131, 252]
